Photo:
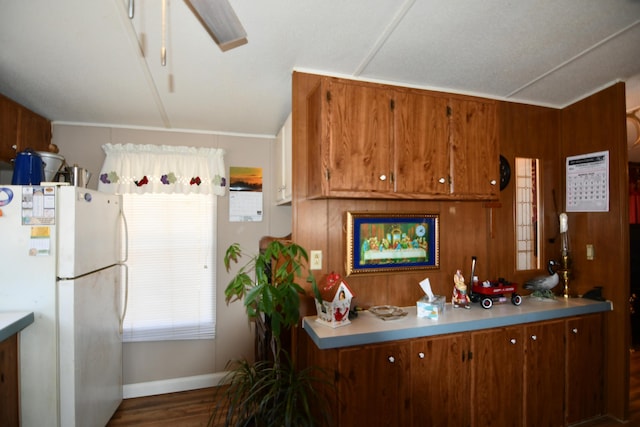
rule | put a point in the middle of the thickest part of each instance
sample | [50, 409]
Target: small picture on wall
[245, 194]
[383, 242]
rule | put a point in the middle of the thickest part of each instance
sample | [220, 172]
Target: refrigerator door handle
[125, 233]
[125, 284]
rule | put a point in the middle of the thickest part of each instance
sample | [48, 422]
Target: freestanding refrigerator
[60, 258]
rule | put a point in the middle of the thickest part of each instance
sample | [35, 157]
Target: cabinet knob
[493, 182]
[534, 337]
[512, 341]
[574, 330]
[442, 180]
[421, 355]
[392, 359]
[383, 177]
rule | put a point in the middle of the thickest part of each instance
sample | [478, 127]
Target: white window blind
[171, 266]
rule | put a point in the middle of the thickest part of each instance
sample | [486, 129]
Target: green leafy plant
[264, 394]
[267, 284]
[270, 392]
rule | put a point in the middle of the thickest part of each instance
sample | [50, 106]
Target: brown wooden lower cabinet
[544, 383]
[372, 385]
[9, 406]
[537, 374]
[497, 377]
[585, 368]
[440, 380]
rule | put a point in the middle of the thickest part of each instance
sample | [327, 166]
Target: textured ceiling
[84, 61]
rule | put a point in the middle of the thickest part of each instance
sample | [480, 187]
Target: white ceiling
[79, 61]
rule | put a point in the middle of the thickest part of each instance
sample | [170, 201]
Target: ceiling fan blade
[220, 21]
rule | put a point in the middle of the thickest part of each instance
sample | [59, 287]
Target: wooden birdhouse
[334, 308]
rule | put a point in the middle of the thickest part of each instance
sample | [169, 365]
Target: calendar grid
[588, 182]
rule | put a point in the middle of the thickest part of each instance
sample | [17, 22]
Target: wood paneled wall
[486, 230]
[320, 225]
[531, 132]
[594, 124]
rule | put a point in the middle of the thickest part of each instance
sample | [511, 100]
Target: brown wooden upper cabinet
[377, 141]
[21, 128]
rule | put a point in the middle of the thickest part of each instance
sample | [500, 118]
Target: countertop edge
[431, 329]
[13, 322]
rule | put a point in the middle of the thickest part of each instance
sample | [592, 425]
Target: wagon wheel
[487, 303]
[516, 299]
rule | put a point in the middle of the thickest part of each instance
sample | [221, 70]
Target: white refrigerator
[60, 257]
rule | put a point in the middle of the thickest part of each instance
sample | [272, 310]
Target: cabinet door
[20, 129]
[440, 381]
[421, 140]
[8, 129]
[359, 135]
[584, 368]
[9, 401]
[544, 383]
[474, 148]
[497, 373]
[34, 131]
[373, 386]
[283, 163]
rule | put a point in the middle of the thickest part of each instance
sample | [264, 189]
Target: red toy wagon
[489, 292]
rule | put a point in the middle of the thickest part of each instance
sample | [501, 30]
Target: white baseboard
[171, 385]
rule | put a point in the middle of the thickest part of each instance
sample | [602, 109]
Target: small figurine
[460, 297]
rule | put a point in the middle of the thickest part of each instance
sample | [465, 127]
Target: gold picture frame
[378, 242]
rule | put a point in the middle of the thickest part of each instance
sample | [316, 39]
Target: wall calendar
[588, 182]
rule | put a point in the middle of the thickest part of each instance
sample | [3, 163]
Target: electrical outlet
[316, 260]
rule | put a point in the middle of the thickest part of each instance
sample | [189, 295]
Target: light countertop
[12, 322]
[368, 329]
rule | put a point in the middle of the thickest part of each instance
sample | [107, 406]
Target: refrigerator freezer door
[90, 348]
[88, 230]
[27, 283]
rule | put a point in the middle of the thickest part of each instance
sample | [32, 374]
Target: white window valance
[137, 168]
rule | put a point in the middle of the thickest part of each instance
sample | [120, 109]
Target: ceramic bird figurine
[542, 285]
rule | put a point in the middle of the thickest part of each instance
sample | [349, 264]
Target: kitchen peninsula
[368, 329]
[509, 365]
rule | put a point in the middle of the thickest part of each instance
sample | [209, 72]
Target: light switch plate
[590, 253]
[316, 260]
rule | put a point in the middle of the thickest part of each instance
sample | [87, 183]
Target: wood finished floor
[184, 409]
[193, 408]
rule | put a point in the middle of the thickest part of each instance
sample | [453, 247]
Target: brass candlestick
[565, 255]
[565, 272]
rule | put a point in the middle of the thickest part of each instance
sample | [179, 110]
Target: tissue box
[430, 309]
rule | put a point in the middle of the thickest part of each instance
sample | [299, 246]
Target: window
[527, 236]
[171, 266]
[169, 200]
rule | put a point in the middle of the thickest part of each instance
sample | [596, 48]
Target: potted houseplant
[270, 392]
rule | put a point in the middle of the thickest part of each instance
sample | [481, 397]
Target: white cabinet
[283, 162]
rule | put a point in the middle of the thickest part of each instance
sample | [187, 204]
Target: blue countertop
[12, 322]
[368, 329]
